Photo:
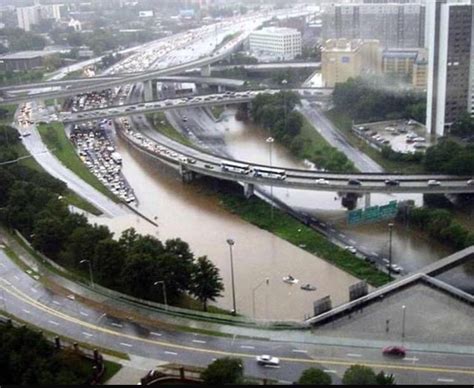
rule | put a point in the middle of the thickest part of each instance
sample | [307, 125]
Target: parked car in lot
[265, 359]
[398, 351]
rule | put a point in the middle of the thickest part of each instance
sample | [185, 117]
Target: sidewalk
[132, 370]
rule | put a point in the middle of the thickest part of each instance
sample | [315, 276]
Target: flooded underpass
[192, 212]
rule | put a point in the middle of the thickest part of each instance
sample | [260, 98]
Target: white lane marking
[247, 347]
[353, 355]
[332, 229]
[374, 254]
[87, 334]
[34, 290]
[116, 324]
[125, 344]
[16, 277]
[323, 224]
[83, 314]
[27, 311]
[299, 351]
[330, 371]
[446, 380]
[53, 322]
[6, 282]
[56, 303]
[199, 341]
[155, 333]
[2, 265]
[411, 359]
[171, 353]
[342, 235]
[352, 241]
[272, 366]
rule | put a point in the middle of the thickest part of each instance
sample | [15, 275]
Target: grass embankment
[160, 124]
[71, 197]
[286, 227]
[344, 124]
[318, 150]
[57, 142]
[217, 111]
[111, 369]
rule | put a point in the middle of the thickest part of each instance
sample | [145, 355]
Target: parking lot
[406, 136]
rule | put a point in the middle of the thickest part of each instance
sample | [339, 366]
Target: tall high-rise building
[28, 16]
[394, 25]
[450, 30]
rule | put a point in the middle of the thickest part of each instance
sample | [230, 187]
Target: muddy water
[191, 213]
[409, 249]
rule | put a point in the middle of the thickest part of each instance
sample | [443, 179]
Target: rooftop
[277, 30]
[27, 54]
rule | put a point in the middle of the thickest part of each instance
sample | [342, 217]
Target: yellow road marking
[27, 299]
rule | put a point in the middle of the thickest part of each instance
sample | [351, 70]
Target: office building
[451, 63]
[408, 65]
[280, 43]
[342, 59]
[394, 25]
[29, 16]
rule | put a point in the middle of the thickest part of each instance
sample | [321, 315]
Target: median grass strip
[55, 138]
[342, 122]
[217, 111]
[160, 124]
[257, 212]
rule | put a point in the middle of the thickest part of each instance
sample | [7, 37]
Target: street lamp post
[267, 281]
[163, 285]
[390, 228]
[403, 321]
[270, 140]
[90, 270]
[231, 244]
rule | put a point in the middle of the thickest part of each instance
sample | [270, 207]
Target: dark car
[392, 182]
[398, 351]
[354, 182]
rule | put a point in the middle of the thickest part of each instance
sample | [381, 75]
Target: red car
[399, 351]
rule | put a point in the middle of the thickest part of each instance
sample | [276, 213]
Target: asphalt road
[23, 295]
[361, 161]
[55, 168]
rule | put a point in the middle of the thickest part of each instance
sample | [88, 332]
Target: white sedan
[265, 359]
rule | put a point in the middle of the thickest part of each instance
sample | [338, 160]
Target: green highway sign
[372, 214]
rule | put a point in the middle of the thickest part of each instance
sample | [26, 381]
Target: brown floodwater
[193, 213]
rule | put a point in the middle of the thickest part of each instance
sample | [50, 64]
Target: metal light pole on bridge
[403, 322]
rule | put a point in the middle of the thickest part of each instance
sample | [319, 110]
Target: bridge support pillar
[206, 71]
[148, 90]
[154, 89]
[249, 189]
[220, 89]
[367, 200]
[186, 175]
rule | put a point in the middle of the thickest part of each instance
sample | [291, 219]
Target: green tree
[223, 371]
[206, 282]
[314, 376]
[359, 375]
